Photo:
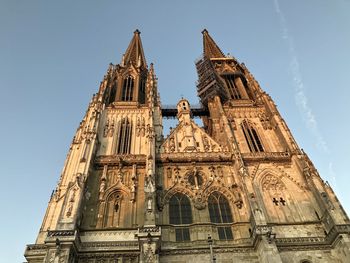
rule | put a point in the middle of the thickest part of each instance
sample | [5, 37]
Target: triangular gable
[178, 140]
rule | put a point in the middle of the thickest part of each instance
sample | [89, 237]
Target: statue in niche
[238, 198]
[149, 185]
[57, 193]
[105, 129]
[119, 172]
[199, 201]
[257, 212]
[210, 180]
[159, 198]
[142, 132]
[195, 179]
[138, 127]
[149, 182]
[172, 145]
[233, 124]
[78, 179]
[169, 173]
[206, 144]
[177, 175]
[69, 209]
[243, 171]
[212, 172]
[102, 187]
[111, 129]
[149, 204]
[220, 172]
[133, 191]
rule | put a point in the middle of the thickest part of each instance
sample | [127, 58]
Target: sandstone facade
[238, 189]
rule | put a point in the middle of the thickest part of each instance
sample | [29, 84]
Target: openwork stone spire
[134, 54]
[210, 49]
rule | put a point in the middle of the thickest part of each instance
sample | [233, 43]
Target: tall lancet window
[113, 210]
[142, 90]
[112, 94]
[180, 214]
[252, 137]
[220, 213]
[124, 136]
[128, 89]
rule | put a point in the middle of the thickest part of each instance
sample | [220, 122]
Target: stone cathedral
[237, 189]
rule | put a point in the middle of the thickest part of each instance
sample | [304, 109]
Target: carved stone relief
[271, 182]
[140, 127]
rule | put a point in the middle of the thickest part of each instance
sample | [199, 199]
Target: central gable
[189, 137]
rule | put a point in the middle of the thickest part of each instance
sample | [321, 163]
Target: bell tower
[220, 75]
[280, 185]
[106, 192]
[129, 84]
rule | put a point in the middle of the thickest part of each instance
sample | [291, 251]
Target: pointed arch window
[142, 90]
[220, 213]
[128, 89]
[113, 210]
[112, 94]
[252, 137]
[180, 214]
[237, 86]
[232, 87]
[124, 136]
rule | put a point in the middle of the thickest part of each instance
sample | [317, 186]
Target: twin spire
[210, 49]
[134, 54]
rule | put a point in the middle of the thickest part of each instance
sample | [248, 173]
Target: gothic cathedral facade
[238, 189]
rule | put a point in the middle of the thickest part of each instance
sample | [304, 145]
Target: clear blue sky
[53, 54]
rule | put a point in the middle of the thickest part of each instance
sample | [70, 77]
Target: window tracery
[128, 89]
[180, 213]
[220, 213]
[113, 209]
[124, 136]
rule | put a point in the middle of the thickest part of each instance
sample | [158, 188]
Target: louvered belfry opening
[252, 137]
[128, 89]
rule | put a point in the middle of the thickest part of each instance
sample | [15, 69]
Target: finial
[137, 32]
[205, 31]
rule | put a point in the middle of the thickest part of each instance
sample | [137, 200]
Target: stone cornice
[189, 157]
[128, 159]
[266, 157]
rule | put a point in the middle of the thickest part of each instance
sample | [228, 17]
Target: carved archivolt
[119, 187]
[281, 176]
